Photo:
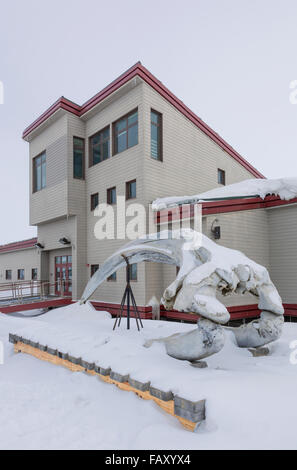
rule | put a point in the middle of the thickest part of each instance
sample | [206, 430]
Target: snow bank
[285, 188]
[43, 406]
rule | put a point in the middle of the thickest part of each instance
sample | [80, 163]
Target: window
[78, 158]
[221, 176]
[34, 274]
[94, 268]
[39, 172]
[99, 148]
[112, 195]
[113, 277]
[131, 189]
[133, 272]
[94, 201]
[125, 132]
[156, 135]
[21, 274]
[8, 274]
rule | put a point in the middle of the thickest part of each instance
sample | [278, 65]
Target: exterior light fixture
[64, 241]
[39, 245]
[216, 229]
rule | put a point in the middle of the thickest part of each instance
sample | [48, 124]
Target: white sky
[230, 61]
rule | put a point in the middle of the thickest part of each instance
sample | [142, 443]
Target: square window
[112, 195]
[21, 274]
[8, 274]
[94, 201]
[131, 189]
[113, 277]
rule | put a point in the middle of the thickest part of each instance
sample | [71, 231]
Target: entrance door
[63, 275]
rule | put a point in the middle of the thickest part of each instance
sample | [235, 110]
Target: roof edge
[157, 85]
[21, 245]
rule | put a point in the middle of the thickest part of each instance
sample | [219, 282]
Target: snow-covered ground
[251, 402]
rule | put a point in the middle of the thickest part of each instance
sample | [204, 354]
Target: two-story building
[133, 139]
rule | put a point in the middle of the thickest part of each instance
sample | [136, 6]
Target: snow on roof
[285, 188]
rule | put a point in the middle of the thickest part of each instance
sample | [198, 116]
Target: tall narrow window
[156, 135]
[133, 271]
[8, 274]
[94, 201]
[39, 172]
[94, 268]
[131, 189]
[99, 147]
[21, 274]
[221, 176]
[112, 195]
[34, 274]
[125, 132]
[78, 158]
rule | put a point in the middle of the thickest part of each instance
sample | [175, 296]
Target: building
[133, 139]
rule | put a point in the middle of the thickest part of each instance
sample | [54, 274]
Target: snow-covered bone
[205, 269]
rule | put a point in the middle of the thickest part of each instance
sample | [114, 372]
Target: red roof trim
[141, 71]
[18, 245]
[220, 207]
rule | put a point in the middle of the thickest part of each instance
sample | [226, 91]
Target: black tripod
[128, 294]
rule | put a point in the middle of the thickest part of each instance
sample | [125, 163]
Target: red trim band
[18, 245]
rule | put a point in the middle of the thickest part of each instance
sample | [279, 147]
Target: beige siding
[283, 251]
[52, 201]
[21, 259]
[191, 160]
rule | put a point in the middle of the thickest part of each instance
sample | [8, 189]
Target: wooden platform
[189, 413]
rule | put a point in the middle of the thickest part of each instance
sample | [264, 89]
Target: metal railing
[23, 291]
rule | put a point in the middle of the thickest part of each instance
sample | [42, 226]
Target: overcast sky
[230, 61]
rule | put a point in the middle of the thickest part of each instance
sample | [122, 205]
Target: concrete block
[165, 396]
[119, 377]
[103, 371]
[74, 360]
[142, 386]
[192, 406]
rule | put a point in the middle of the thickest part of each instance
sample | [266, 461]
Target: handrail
[20, 291]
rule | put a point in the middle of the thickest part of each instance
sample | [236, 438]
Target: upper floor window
[99, 147]
[8, 274]
[125, 132]
[21, 274]
[94, 201]
[156, 135]
[221, 176]
[78, 158]
[94, 268]
[34, 274]
[39, 172]
[112, 195]
[131, 189]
